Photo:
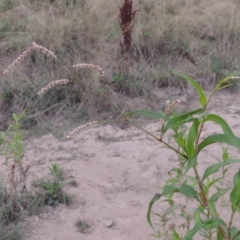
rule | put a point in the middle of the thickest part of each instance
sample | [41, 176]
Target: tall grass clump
[205, 191]
[198, 37]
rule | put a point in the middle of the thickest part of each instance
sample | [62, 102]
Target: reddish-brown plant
[126, 17]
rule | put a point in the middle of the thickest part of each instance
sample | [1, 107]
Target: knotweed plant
[205, 190]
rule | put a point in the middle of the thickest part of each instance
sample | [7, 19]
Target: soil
[116, 171]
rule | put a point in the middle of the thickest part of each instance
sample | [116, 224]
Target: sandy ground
[116, 170]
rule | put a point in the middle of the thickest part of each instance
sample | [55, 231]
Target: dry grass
[200, 38]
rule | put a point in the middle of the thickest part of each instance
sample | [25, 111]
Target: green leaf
[217, 138]
[218, 194]
[212, 208]
[225, 154]
[15, 117]
[192, 135]
[207, 225]
[180, 139]
[235, 233]
[192, 162]
[202, 96]
[220, 121]
[154, 199]
[213, 223]
[189, 235]
[219, 235]
[158, 115]
[226, 129]
[235, 194]
[192, 179]
[185, 189]
[180, 120]
[175, 234]
[215, 167]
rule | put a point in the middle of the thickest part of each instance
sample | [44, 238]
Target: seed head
[77, 130]
[26, 53]
[52, 85]
[18, 59]
[90, 66]
[44, 50]
[170, 105]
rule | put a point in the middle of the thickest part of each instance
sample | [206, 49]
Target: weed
[82, 226]
[16, 201]
[57, 172]
[52, 190]
[205, 218]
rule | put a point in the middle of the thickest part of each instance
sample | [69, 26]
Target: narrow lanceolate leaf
[180, 120]
[206, 225]
[158, 115]
[218, 138]
[212, 208]
[189, 235]
[214, 198]
[235, 233]
[192, 162]
[154, 199]
[220, 121]
[235, 194]
[202, 96]
[215, 167]
[225, 127]
[213, 223]
[185, 189]
[192, 135]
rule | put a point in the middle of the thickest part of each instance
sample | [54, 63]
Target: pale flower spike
[170, 106]
[52, 85]
[43, 49]
[26, 53]
[90, 66]
[77, 130]
[18, 60]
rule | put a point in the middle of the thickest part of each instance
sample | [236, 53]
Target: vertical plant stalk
[126, 17]
[230, 224]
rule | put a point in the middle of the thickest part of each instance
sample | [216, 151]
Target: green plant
[54, 194]
[13, 148]
[52, 190]
[206, 190]
[57, 172]
[187, 143]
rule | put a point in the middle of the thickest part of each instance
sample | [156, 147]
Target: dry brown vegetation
[200, 38]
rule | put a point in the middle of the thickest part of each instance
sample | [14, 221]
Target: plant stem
[112, 103]
[230, 223]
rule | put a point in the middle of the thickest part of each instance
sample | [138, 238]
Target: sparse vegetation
[177, 43]
[198, 37]
[187, 145]
[17, 200]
